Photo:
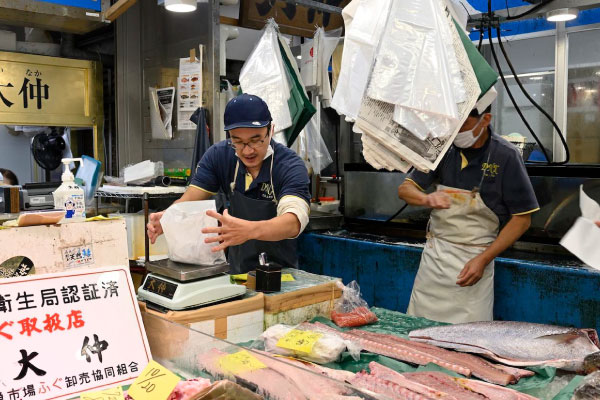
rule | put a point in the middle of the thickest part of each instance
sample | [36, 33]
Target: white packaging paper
[583, 239]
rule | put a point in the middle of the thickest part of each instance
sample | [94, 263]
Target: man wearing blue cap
[266, 183]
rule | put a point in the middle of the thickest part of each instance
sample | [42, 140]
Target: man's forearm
[513, 230]
[283, 227]
[193, 194]
[409, 192]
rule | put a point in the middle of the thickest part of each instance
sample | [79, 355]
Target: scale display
[160, 287]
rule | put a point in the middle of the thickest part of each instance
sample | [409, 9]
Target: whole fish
[516, 343]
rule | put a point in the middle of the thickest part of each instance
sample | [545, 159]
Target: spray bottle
[69, 196]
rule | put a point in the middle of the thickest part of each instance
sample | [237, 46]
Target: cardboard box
[56, 248]
[234, 321]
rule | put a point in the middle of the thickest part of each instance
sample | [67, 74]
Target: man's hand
[472, 272]
[154, 227]
[598, 223]
[437, 200]
[232, 232]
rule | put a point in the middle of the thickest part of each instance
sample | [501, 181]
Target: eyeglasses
[253, 143]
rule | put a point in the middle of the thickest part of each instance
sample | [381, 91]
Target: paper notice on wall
[189, 91]
[161, 112]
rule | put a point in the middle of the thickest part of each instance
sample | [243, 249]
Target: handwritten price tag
[154, 383]
[287, 278]
[106, 394]
[299, 341]
[239, 362]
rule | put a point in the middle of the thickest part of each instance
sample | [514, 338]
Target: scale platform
[177, 286]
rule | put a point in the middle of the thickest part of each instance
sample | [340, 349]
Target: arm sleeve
[517, 191]
[294, 181]
[421, 179]
[206, 175]
[297, 206]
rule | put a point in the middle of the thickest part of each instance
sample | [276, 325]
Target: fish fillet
[399, 352]
[478, 366]
[386, 388]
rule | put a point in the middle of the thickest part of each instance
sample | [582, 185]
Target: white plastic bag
[318, 155]
[182, 224]
[327, 348]
[264, 75]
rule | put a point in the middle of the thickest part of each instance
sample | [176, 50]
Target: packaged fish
[351, 310]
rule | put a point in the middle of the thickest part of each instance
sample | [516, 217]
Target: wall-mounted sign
[69, 333]
[51, 91]
[87, 4]
[292, 19]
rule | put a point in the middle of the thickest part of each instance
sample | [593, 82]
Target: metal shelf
[107, 195]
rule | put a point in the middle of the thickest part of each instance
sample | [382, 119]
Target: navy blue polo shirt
[216, 168]
[506, 188]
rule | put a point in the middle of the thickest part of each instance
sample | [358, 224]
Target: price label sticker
[154, 383]
[106, 394]
[299, 341]
[239, 362]
[287, 278]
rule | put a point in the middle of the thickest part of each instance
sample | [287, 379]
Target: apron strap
[237, 168]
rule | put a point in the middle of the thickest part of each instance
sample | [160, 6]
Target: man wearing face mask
[266, 184]
[482, 185]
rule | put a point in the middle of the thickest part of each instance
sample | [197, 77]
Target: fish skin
[515, 343]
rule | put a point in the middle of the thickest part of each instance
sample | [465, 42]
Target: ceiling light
[299, 57]
[597, 73]
[580, 88]
[591, 91]
[562, 14]
[180, 5]
[536, 78]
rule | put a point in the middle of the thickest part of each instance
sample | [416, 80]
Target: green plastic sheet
[568, 390]
[486, 75]
[301, 109]
[399, 324]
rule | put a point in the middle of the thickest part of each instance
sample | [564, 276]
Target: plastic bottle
[69, 196]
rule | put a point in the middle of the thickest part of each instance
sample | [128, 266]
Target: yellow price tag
[106, 394]
[287, 278]
[239, 362]
[240, 277]
[299, 341]
[154, 383]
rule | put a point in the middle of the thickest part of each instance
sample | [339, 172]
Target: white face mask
[466, 139]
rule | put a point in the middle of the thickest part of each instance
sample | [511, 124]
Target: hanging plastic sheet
[300, 107]
[318, 154]
[416, 69]
[264, 75]
[329, 42]
[367, 20]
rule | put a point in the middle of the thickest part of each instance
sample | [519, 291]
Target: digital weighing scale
[177, 286]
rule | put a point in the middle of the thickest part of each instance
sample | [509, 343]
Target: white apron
[455, 236]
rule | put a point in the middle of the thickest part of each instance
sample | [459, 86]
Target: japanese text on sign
[64, 317]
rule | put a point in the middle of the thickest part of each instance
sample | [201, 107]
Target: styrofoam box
[57, 248]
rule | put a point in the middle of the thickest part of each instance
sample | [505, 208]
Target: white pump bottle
[69, 196]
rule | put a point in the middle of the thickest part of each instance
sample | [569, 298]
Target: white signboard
[67, 333]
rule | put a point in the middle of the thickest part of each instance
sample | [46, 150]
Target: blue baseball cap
[247, 111]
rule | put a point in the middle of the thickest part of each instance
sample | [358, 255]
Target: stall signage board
[88, 4]
[68, 333]
[292, 19]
